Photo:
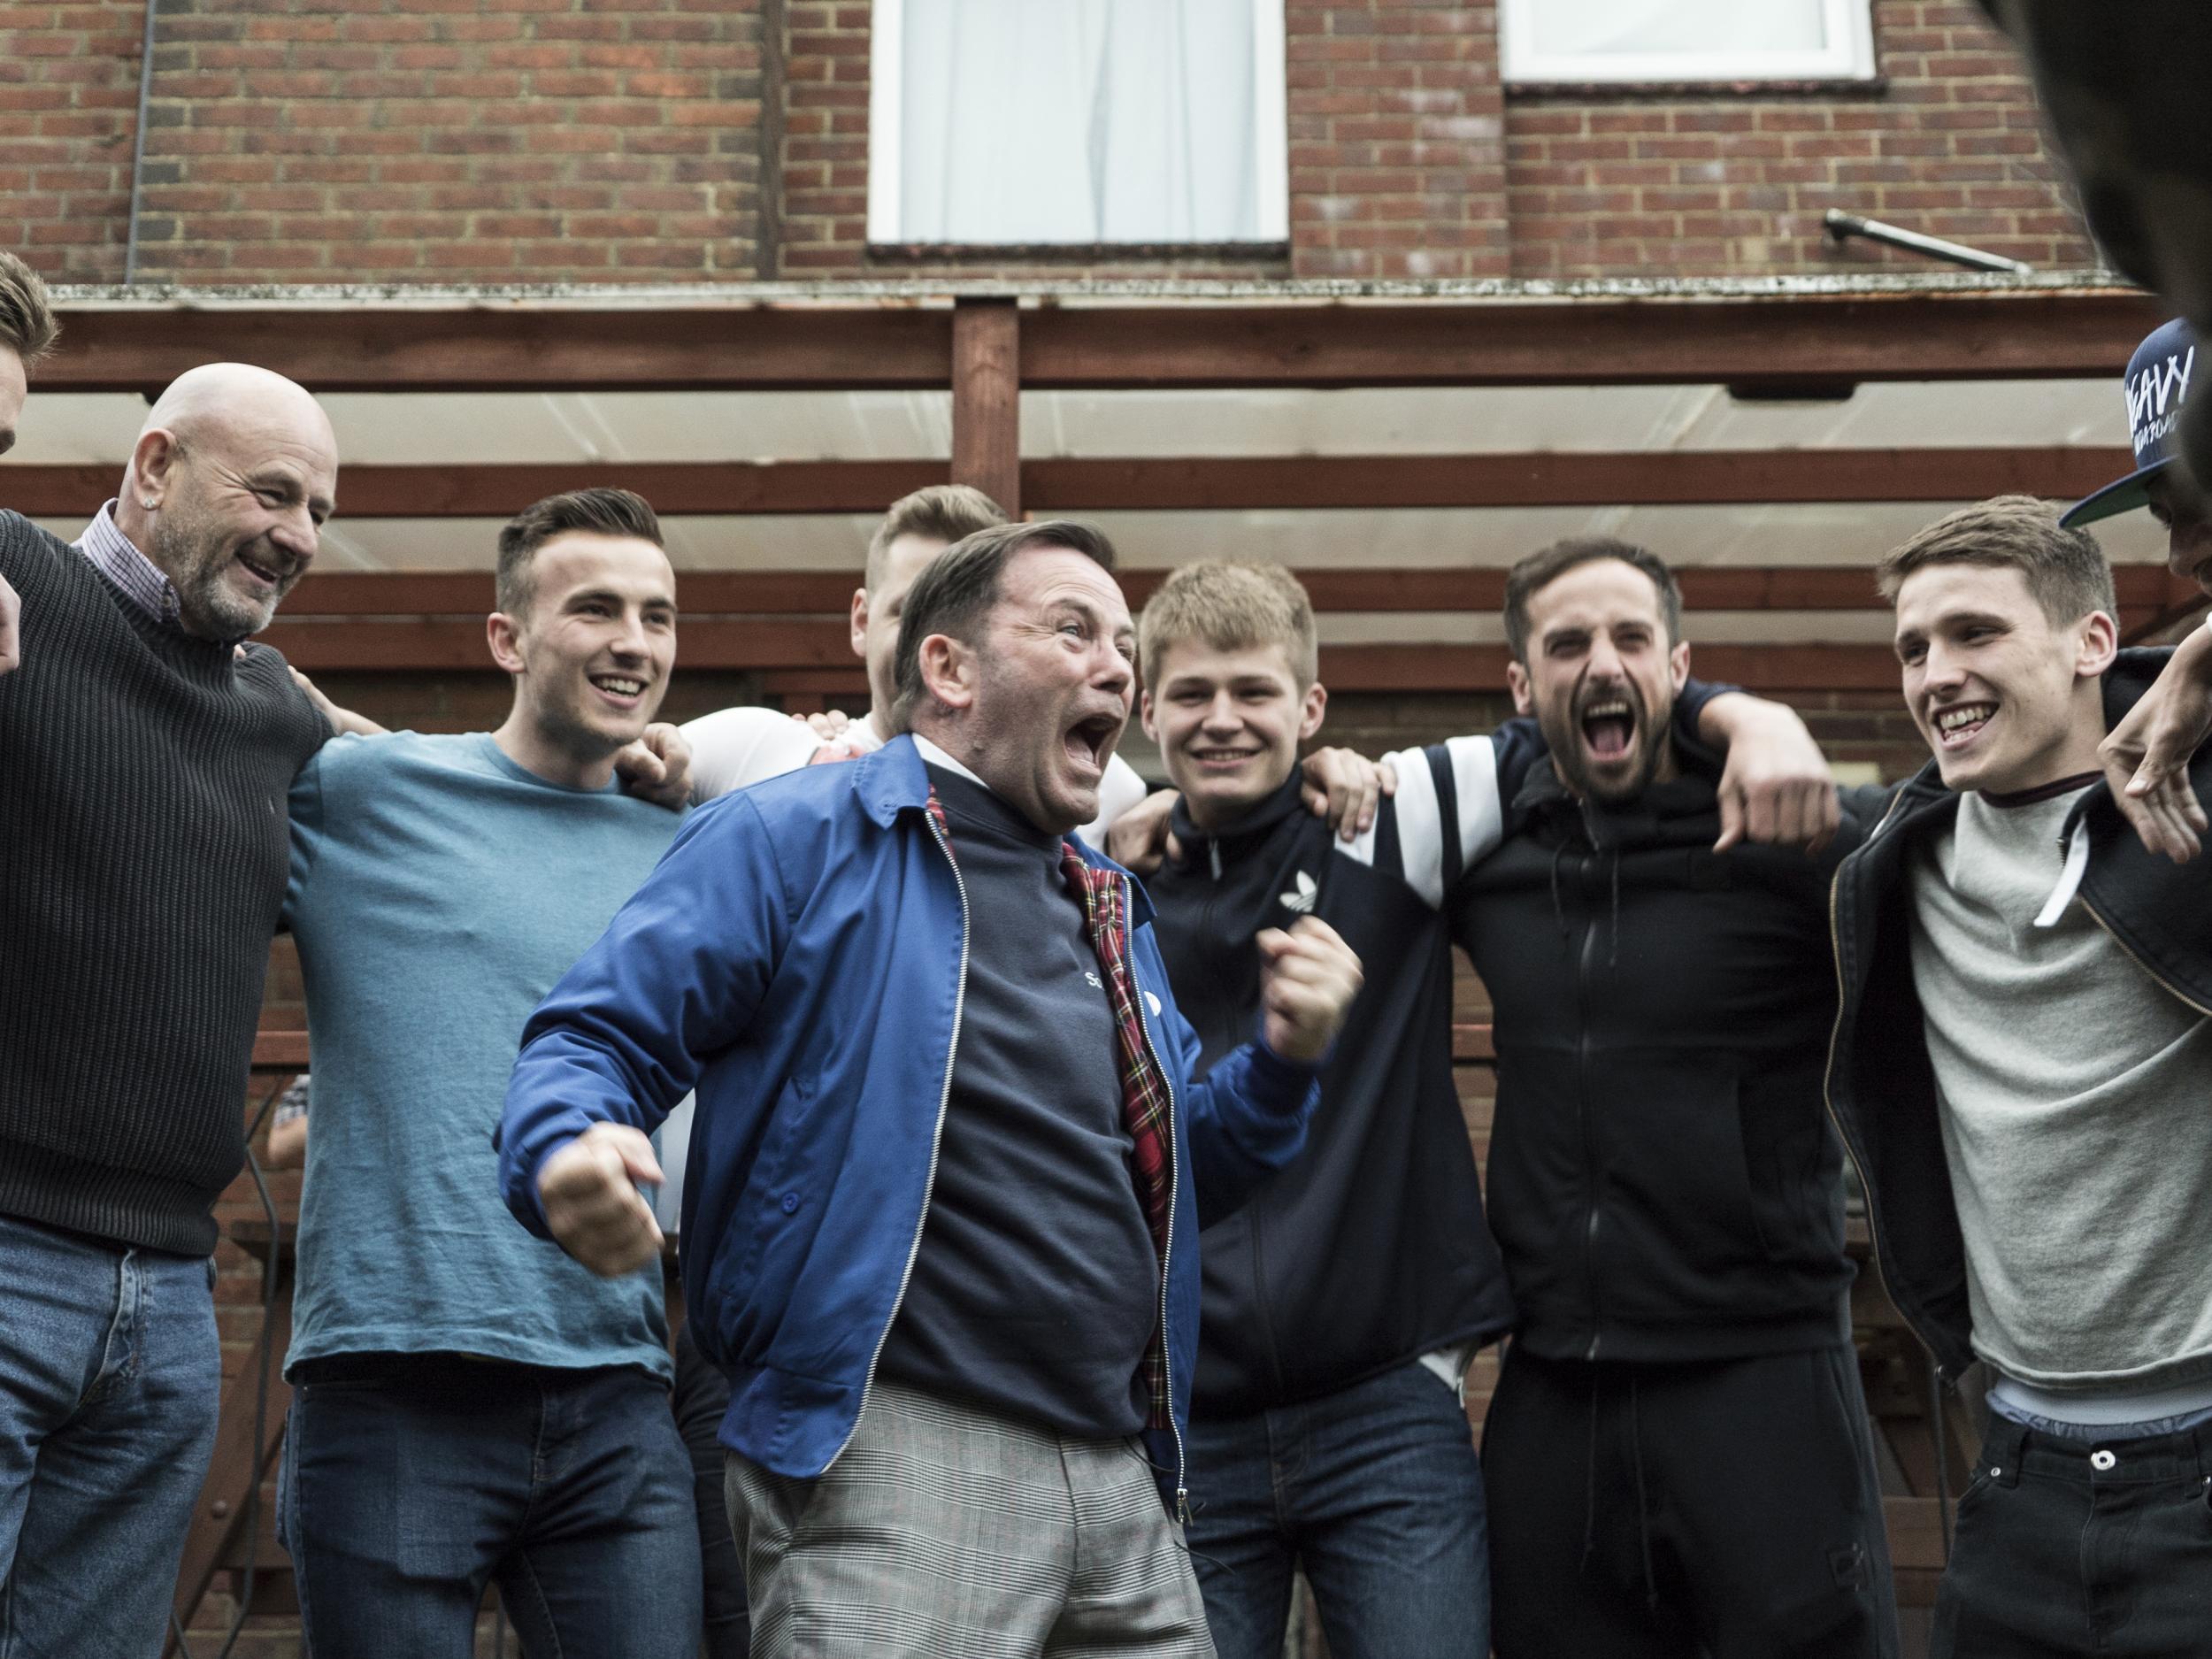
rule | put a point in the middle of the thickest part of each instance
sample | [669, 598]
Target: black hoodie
[1369, 1250]
[1664, 1179]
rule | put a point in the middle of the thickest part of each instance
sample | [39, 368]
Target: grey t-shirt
[2077, 1116]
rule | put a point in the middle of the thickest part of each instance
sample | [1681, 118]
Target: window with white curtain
[1023, 122]
[1578, 41]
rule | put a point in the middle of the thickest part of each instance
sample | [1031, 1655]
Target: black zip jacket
[1369, 1250]
[1881, 1086]
[1663, 1181]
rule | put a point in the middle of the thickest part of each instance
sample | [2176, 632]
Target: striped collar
[116, 556]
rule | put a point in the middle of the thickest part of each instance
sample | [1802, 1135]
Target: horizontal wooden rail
[768, 592]
[1194, 483]
[443, 646]
[1780, 342]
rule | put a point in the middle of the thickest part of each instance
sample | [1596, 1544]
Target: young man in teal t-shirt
[471, 1404]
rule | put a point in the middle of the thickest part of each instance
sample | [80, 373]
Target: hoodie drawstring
[1590, 1483]
[1643, 1504]
[1613, 959]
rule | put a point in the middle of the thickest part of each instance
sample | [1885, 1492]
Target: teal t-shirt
[438, 891]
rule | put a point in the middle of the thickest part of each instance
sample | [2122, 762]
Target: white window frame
[1850, 25]
[887, 101]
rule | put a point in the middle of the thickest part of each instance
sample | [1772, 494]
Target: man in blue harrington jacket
[892, 1252]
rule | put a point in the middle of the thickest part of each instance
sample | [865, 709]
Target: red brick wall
[1397, 140]
[624, 140]
[68, 113]
[1952, 145]
[453, 141]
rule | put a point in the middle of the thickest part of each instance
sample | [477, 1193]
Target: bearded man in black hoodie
[1677, 1455]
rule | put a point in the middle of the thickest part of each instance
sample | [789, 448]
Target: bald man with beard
[145, 755]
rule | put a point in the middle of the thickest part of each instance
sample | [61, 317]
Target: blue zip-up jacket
[798, 958]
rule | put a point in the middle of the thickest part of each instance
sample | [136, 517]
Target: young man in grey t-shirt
[2023, 1069]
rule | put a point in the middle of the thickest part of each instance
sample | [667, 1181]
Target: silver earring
[147, 503]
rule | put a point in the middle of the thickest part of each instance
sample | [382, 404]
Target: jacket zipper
[2153, 973]
[937, 1136]
[1582, 1101]
[1174, 1178]
[1843, 1131]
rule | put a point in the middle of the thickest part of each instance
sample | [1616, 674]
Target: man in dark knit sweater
[147, 759]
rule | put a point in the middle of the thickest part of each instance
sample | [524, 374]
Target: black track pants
[1726, 1509]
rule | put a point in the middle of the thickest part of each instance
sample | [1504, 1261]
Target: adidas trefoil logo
[1300, 900]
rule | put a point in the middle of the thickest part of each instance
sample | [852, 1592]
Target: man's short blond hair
[2065, 568]
[1230, 606]
[27, 320]
[943, 512]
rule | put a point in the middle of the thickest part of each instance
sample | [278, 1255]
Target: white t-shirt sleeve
[1120, 790]
[731, 748]
[1448, 809]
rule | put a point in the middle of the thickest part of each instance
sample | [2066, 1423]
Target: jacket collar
[1642, 822]
[1255, 824]
[894, 779]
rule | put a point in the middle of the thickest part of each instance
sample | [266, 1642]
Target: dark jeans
[1720, 1509]
[2055, 1555]
[703, 1394]
[110, 1377]
[412, 1481]
[1375, 1490]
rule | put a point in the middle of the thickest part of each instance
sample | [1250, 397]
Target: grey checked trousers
[948, 1532]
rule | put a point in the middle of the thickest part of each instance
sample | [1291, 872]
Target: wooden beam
[1779, 342]
[1568, 480]
[1763, 341]
[513, 347]
[986, 400]
[1207, 483]
[437, 645]
[1481, 668]
[2147, 589]
[279, 1051]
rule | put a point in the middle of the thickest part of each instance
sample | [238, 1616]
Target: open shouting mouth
[1090, 740]
[1608, 727]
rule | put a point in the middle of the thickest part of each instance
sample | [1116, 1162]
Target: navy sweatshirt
[1036, 1287]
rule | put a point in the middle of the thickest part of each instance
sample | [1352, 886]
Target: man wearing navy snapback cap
[2146, 755]
[2156, 386]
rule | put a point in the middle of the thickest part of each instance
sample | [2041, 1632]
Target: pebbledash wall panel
[460, 140]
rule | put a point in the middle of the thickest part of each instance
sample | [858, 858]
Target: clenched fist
[593, 1206]
[1308, 978]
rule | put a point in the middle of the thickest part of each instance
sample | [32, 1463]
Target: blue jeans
[409, 1482]
[110, 1379]
[1376, 1491]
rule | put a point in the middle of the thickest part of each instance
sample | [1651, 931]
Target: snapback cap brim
[2124, 496]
